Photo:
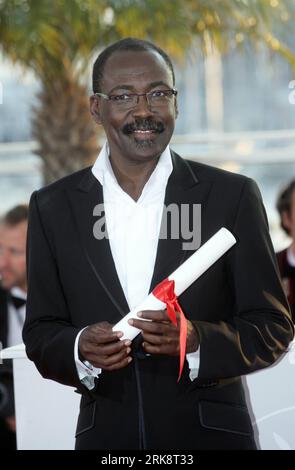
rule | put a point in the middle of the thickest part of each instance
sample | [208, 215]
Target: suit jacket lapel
[83, 200]
[183, 187]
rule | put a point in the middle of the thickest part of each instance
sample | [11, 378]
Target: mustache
[143, 125]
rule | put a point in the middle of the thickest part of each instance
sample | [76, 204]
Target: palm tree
[57, 41]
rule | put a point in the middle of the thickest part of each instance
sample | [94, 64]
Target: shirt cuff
[86, 371]
[193, 360]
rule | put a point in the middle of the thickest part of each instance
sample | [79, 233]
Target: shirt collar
[18, 292]
[102, 166]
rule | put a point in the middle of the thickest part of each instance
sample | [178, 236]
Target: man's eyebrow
[159, 83]
[131, 88]
[121, 87]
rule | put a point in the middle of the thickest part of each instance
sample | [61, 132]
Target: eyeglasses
[155, 99]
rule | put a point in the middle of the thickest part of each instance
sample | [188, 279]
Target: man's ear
[94, 109]
[286, 220]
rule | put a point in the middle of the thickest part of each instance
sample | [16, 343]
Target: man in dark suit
[13, 287]
[88, 267]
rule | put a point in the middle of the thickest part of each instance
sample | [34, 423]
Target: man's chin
[147, 150]
[149, 146]
[143, 149]
[8, 282]
[144, 144]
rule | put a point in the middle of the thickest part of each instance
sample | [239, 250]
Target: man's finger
[115, 358]
[153, 339]
[102, 337]
[167, 349]
[155, 315]
[149, 326]
[152, 348]
[105, 349]
[119, 365]
[161, 340]
[122, 361]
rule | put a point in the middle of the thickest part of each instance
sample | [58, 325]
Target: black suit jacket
[238, 307]
[3, 318]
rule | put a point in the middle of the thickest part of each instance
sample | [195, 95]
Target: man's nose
[142, 109]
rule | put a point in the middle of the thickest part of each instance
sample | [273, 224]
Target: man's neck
[132, 176]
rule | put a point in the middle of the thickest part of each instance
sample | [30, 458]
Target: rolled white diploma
[183, 277]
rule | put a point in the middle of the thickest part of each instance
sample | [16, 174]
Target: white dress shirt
[133, 230]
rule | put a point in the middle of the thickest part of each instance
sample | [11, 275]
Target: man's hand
[103, 348]
[161, 336]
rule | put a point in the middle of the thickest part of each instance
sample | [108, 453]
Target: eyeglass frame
[174, 92]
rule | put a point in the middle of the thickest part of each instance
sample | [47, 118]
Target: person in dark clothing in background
[286, 258]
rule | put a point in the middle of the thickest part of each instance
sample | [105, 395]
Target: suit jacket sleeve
[48, 333]
[260, 328]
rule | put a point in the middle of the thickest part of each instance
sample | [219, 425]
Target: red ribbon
[165, 292]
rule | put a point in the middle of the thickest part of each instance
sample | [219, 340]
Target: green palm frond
[66, 32]
[56, 40]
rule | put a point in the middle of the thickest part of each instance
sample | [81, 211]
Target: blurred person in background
[13, 293]
[286, 258]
